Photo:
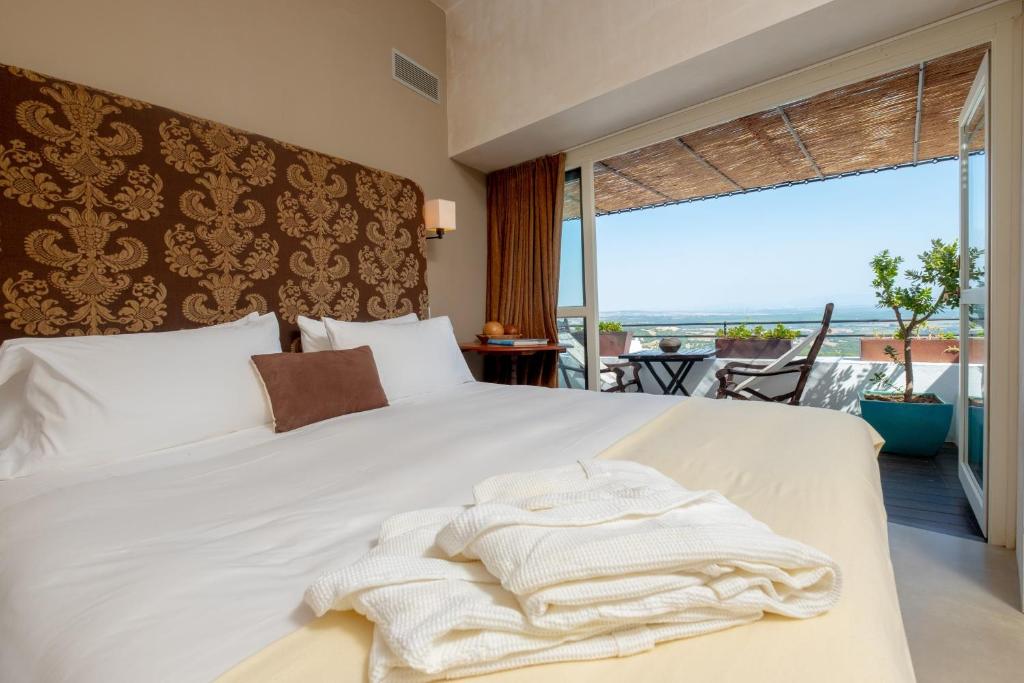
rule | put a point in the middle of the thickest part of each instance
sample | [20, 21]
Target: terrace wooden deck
[925, 493]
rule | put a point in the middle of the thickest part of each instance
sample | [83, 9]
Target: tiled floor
[961, 607]
[925, 493]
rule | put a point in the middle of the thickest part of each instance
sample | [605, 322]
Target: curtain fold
[524, 234]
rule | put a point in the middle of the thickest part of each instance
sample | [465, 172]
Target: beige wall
[513, 63]
[315, 73]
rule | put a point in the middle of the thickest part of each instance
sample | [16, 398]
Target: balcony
[850, 359]
[921, 492]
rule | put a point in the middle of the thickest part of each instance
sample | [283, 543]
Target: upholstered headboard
[120, 216]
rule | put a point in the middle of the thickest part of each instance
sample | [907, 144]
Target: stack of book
[517, 342]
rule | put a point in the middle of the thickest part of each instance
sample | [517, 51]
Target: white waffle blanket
[597, 559]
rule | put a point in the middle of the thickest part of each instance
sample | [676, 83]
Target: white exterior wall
[835, 383]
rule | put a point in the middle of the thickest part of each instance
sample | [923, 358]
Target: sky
[792, 247]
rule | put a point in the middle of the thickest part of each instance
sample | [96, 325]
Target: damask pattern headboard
[120, 216]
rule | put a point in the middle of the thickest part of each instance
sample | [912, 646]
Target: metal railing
[839, 343]
[723, 326]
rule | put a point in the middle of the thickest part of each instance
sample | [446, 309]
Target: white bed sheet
[180, 564]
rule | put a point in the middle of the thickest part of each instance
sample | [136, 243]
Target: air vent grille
[415, 77]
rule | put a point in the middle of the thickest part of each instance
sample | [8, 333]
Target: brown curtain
[524, 234]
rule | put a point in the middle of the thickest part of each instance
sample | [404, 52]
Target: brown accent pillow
[309, 387]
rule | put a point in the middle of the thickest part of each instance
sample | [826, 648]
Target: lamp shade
[439, 214]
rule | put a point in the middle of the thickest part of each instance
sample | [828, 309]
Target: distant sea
[698, 328]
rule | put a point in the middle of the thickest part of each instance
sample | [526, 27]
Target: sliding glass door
[574, 318]
[974, 302]
[993, 325]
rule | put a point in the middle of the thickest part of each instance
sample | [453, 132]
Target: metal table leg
[676, 383]
[650, 369]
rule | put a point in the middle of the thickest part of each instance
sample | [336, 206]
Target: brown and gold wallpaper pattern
[120, 216]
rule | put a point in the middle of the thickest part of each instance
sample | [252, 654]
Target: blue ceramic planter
[975, 437]
[908, 428]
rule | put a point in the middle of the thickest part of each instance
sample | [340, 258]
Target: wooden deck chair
[740, 380]
[572, 364]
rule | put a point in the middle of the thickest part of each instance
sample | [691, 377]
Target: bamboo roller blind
[860, 127]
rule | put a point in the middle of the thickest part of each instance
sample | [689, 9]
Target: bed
[189, 563]
[809, 473]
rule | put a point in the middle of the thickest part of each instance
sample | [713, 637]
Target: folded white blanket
[591, 560]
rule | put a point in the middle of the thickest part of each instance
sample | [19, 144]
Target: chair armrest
[731, 365]
[754, 370]
[757, 366]
[749, 373]
[619, 370]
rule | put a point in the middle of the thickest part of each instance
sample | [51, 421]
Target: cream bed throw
[809, 474]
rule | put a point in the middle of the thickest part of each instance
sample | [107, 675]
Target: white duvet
[180, 564]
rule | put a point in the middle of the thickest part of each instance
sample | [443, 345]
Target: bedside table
[511, 355]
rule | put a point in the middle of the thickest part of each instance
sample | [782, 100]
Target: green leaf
[924, 291]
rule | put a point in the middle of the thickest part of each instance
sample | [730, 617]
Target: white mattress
[178, 565]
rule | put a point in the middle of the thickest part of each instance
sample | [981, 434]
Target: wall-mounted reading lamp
[439, 217]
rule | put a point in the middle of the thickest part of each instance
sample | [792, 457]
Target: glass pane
[570, 279]
[976, 391]
[572, 365]
[976, 172]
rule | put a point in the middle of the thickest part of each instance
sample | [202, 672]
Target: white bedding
[180, 564]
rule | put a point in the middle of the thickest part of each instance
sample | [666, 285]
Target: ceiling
[832, 29]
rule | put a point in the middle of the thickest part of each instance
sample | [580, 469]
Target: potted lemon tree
[912, 422]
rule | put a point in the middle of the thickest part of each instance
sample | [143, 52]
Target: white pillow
[314, 332]
[411, 359]
[14, 366]
[96, 399]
